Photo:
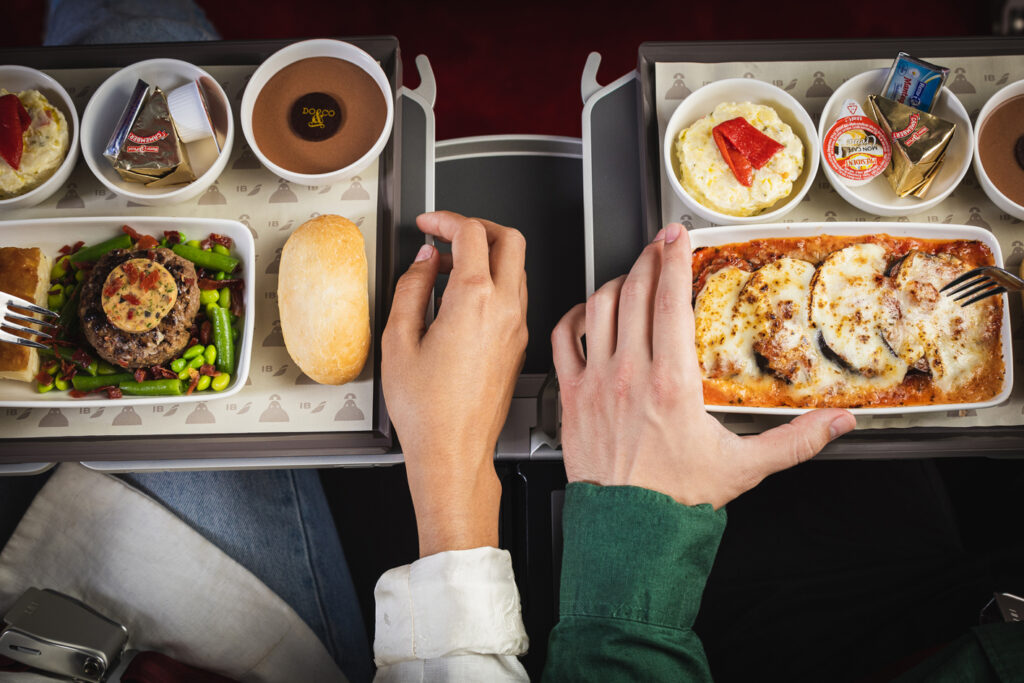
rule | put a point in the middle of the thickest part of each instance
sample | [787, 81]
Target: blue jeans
[70, 22]
[275, 523]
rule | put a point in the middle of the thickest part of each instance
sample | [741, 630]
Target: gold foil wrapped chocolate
[145, 147]
[919, 142]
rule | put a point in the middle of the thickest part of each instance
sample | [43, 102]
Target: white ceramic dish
[49, 234]
[712, 237]
[305, 50]
[993, 193]
[105, 108]
[18, 78]
[877, 197]
[703, 101]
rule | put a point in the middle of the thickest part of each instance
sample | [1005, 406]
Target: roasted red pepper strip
[221, 240]
[131, 272]
[131, 298]
[131, 232]
[740, 167]
[11, 142]
[754, 145]
[149, 280]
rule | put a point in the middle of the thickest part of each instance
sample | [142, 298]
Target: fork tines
[8, 303]
[974, 282]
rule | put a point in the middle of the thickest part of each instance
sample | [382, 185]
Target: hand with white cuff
[633, 411]
[448, 388]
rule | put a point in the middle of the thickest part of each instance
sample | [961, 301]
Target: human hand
[448, 388]
[633, 408]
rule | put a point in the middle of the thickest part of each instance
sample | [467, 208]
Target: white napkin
[96, 539]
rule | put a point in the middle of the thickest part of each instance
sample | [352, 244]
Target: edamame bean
[211, 354]
[225, 298]
[220, 382]
[87, 383]
[153, 387]
[60, 384]
[209, 296]
[105, 368]
[184, 375]
[178, 364]
[193, 351]
[60, 268]
[221, 275]
[204, 383]
[197, 362]
[56, 301]
[43, 388]
[205, 259]
[222, 339]
[194, 243]
[221, 249]
[79, 275]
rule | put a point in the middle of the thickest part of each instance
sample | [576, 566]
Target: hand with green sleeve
[650, 472]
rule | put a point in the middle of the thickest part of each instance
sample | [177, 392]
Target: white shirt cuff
[452, 603]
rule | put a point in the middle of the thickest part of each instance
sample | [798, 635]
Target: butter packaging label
[914, 82]
[918, 140]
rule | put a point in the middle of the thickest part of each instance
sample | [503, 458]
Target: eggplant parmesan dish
[844, 321]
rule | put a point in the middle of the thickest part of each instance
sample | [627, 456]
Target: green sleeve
[634, 566]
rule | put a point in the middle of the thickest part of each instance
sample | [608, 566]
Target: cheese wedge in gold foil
[919, 143]
[145, 147]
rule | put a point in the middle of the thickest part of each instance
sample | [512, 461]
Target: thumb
[791, 444]
[412, 294]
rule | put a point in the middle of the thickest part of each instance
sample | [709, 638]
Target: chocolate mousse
[1001, 148]
[318, 115]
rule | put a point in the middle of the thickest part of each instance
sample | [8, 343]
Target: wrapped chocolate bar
[919, 142]
[145, 147]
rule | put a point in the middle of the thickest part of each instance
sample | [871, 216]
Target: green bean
[221, 249]
[92, 367]
[87, 383]
[106, 368]
[94, 252]
[68, 320]
[222, 340]
[204, 383]
[153, 387]
[220, 382]
[60, 384]
[193, 351]
[210, 355]
[209, 296]
[178, 365]
[206, 259]
[197, 362]
[225, 298]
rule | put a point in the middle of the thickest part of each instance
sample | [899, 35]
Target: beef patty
[144, 349]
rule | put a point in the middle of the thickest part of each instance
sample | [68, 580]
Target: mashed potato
[707, 178]
[46, 145]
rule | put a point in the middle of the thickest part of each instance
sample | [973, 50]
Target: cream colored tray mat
[277, 396]
[973, 80]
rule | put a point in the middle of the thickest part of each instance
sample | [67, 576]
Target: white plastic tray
[51, 233]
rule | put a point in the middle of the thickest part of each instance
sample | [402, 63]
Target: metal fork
[7, 301]
[982, 282]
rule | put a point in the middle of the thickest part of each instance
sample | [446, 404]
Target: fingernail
[660, 236]
[841, 425]
[672, 232]
[425, 252]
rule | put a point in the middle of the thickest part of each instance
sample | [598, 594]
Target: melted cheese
[724, 342]
[134, 303]
[851, 304]
[933, 333]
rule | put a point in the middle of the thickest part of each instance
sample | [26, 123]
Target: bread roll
[25, 273]
[323, 299]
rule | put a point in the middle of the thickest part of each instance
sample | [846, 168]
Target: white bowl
[49, 234]
[994, 194]
[877, 197]
[703, 101]
[105, 108]
[304, 50]
[18, 78]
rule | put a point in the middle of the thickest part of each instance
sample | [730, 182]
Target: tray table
[623, 186]
[280, 418]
